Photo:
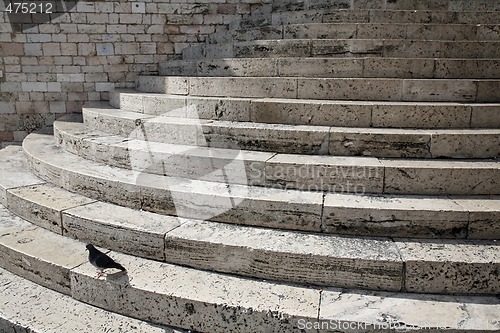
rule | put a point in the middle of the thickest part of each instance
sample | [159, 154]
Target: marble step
[21, 311]
[211, 302]
[367, 67]
[421, 15]
[360, 89]
[374, 16]
[417, 31]
[259, 206]
[296, 139]
[345, 48]
[255, 168]
[450, 5]
[312, 259]
[472, 217]
[312, 112]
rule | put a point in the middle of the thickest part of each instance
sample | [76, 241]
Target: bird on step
[101, 261]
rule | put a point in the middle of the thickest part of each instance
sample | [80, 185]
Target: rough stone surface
[44, 204]
[441, 177]
[279, 255]
[385, 312]
[14, 170]
[484, 216]
[398, 216]
[37, 254]
[123, 229]
[451, 267]
[325, 173]
[203, 301]
[29, 307]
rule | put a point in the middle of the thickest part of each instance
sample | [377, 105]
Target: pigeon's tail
[118, 266]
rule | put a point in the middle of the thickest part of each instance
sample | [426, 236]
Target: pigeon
[101, 260]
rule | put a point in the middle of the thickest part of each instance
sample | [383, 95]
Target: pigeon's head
[90, 247]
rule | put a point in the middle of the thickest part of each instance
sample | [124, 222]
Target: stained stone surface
[325, 173]
[485, 115]
[29, 307]
[442, 266]
[37, 254]
[203, 301]
[484, 216]
[466, 144]
[379, 142]
[123, 229]
[14, 171]
[397, 216]
[43, 204]
[421, 115]
[281, 255]
[311, 112]
[441, 177]
[113, 121]
[363, 312]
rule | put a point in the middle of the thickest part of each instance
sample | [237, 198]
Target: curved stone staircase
[310, 170]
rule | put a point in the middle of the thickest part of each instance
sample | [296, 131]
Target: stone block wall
[52, 65]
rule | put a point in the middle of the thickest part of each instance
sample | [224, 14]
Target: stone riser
[299, 210]
[362, 215]
[345, 48]
[308, 140]
[337, 68]
[163, 294]
[414, 90]
[377, 264]
[312, 112]
[421, 31]
[21, 312]
[366, 16]
[451, 5]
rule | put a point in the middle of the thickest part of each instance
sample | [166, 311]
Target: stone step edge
[322, 259]
[21, 311]
[363, 16]
[287, 31]
[337, 47]
[306, 211]
[424, 90]
[253, 168]
[196, 298]
[476, 115]
[367, 67]
[185, 128]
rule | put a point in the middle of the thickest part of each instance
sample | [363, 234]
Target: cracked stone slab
[484, 143]
[169, 195]
[37, 254]
[311, 112]
[378, 142]
[441, 177]
[111, 120]
[451, 267]
[421, 115]
[484, 216]
[325, 173]
[29, 307]
[394, 216]
[200, 300]
[364, 311]
[287, 256]
[14, 171]
[43, 205]
[124, 229]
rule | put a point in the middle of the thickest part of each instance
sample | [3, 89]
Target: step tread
[378, 142]
[384, 89]
[472, 217]
[21, 310]
[175, 287]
